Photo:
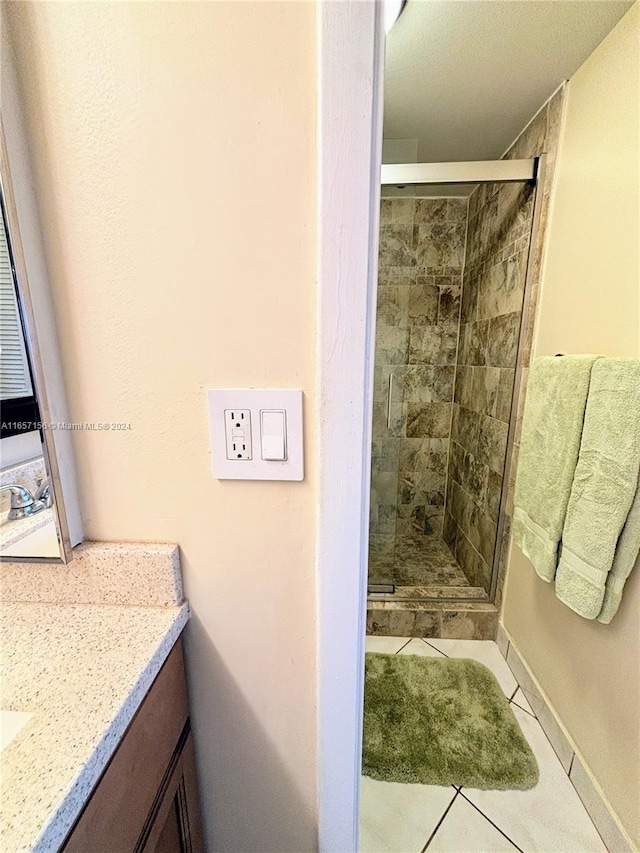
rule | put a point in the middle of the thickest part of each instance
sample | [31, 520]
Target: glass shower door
[418, 312]
[451, 285]
[385, 450]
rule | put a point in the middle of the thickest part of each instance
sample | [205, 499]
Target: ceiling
[464, 77]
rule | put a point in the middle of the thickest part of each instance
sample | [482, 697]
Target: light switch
[273, 432]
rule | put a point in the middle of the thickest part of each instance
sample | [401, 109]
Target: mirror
[32, 523]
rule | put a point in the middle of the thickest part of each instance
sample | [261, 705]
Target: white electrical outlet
[237, 427]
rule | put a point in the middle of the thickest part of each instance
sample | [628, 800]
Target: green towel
[551, 431]
[604, 485]
[627, 552]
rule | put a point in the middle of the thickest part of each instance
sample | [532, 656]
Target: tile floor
[550, 818]
[417, 561]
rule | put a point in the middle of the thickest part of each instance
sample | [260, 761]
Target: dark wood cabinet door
[147, 798]
[174, 825]
[171, 838]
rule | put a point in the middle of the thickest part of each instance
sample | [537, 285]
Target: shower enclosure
[450, 309]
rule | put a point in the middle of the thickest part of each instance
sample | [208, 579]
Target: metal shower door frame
[526, 312]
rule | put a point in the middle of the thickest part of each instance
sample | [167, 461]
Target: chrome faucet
[44, 492]
[23, 503]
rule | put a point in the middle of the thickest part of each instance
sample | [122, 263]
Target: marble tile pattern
[548, 817]
[135, 573]
[446, 592]
[52, 654]
[418, 313]
[416, 561]
[497, 252]
[469, 620]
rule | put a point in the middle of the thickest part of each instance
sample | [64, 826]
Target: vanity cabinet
[147, 798]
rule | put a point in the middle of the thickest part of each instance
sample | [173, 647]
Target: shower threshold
[395, 592]
[381, 589]
[431, 595]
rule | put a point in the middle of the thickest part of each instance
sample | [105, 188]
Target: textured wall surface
[589, 302]
[419, 283]
[181, 253]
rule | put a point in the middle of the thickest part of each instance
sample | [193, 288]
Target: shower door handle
[389, 401]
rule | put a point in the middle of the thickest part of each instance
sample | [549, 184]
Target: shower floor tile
[396, 818]
[434, 593]
[417, 561]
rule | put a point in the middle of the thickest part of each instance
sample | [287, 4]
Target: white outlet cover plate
[256, 400]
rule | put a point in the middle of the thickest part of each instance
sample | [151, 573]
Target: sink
[11, 723]
[42, 542]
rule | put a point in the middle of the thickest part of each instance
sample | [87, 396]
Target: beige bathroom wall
[174, 151]
[591, 298]
[590, 302]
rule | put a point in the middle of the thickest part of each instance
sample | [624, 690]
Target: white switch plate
[254, 402]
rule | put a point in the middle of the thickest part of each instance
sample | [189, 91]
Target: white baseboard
[600, 810]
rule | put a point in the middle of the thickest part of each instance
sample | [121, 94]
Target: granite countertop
[82, 671]
[81, 668]
[16, 529]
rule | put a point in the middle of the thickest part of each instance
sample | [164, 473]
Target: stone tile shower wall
[474, 619]
[493, 289]
[498, 242]
[419, 288]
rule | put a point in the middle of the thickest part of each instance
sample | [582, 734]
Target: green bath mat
[441, 722]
